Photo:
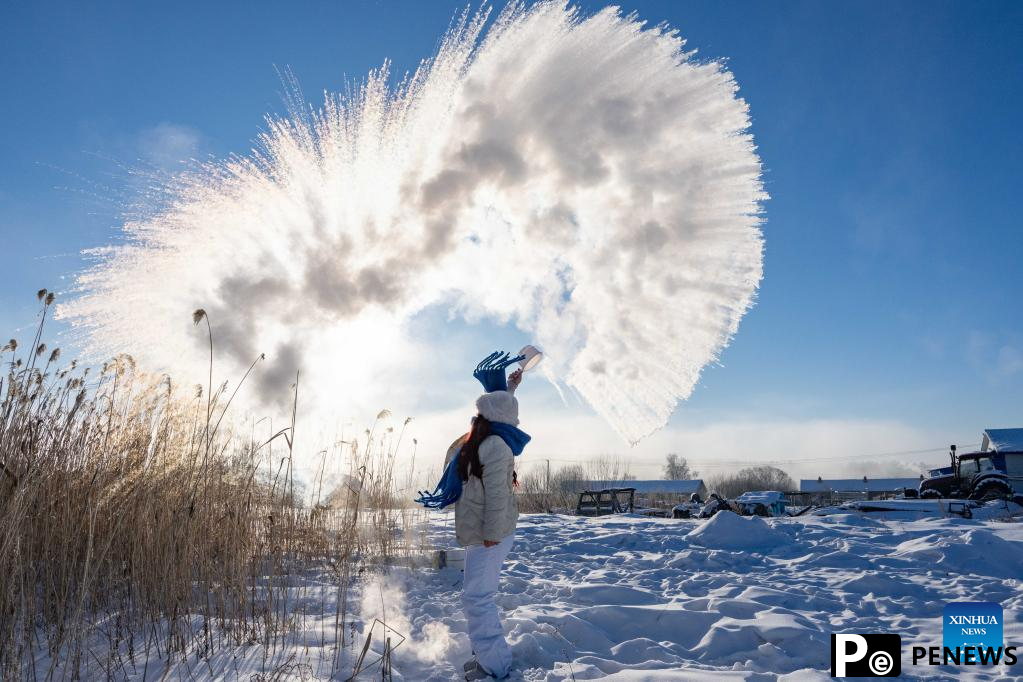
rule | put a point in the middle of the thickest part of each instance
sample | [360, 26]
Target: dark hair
[469, 457]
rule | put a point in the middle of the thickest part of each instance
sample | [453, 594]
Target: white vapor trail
[581, 177]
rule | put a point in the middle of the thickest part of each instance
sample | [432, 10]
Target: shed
[609, 501]
[865, 488]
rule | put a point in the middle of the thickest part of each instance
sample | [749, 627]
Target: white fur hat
[499, 406]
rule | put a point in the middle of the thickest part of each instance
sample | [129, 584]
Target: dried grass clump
[136, 528]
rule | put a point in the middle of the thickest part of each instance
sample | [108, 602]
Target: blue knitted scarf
[449, 489]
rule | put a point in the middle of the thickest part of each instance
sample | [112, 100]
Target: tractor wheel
[990, 490]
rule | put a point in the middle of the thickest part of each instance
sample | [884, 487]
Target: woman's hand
[490, 543]
[514, 379]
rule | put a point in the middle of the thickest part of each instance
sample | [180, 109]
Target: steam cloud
[583, 178]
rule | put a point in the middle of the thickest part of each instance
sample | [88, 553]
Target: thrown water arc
[604, 182]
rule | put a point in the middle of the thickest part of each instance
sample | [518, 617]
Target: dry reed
[137, 527]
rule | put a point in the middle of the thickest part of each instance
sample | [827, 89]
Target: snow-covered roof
[855, 485]
[667, 487]
[1003, 440]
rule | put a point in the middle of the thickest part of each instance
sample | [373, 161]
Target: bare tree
[752, 478]
[677, 469]
[610, 468]
[544, 490]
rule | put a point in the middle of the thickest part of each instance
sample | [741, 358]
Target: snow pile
[978, 551]
[728, 530]
[858, 520]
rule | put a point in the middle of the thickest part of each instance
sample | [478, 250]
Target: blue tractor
[993, 472]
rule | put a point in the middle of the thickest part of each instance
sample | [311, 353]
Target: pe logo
[878, 655]
[972, 623]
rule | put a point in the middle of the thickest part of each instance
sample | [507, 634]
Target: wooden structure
[655, 497]
[607, 501]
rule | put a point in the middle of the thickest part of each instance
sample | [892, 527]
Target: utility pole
[547, 487]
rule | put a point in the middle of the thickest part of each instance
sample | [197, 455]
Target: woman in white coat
[485, 517]
[479, 479]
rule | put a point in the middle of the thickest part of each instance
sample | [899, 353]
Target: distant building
[842, 489]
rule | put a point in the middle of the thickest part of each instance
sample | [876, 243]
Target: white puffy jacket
[487, 509]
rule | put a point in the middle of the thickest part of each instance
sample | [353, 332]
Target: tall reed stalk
[138, 528]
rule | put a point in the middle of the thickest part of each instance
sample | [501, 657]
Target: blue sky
[889, 133]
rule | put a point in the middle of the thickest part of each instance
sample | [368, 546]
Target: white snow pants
[482, 574]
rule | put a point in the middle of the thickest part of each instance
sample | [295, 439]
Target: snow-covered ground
[734, 598]
[635, 598]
